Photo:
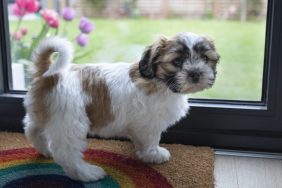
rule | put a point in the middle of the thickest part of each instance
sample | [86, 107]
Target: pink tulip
[17, 36]
[31, 6]
[21, 3]
[51, 17]
[24, 31]
[21, 7]
[53, 23]
[18, 11]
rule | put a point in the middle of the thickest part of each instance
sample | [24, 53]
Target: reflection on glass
[118, 30]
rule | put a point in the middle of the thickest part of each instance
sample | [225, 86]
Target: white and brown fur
[139, 101]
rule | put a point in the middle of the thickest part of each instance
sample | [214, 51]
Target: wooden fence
[220, 9]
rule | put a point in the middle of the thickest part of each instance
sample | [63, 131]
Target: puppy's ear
[147, 64]
[212, 54]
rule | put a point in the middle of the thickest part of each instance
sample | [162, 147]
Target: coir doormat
[22, 166]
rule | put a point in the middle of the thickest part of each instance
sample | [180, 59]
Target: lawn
[241, 46]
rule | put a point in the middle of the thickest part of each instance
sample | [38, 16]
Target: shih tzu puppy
[138, 101]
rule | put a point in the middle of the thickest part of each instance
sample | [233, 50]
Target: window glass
[118, 30]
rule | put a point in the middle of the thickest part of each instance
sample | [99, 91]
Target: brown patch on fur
[148, 85]
[169, 57]
[165, 69]
[99, 110]
[42, 62]
[40, 88]
[170, 51]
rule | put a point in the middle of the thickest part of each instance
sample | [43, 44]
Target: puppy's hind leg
[35, 134]
[67, 138]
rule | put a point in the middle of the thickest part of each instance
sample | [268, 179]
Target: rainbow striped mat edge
[25, 167]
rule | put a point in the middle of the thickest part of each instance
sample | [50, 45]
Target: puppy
[139, 101]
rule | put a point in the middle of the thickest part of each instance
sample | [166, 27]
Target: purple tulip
[68, 14]
[85, 25]
[82, 39]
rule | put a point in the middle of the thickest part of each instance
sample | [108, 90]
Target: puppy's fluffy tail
[42, 56]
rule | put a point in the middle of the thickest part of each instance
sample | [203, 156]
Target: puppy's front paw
[86, 173]
[157, 155]
[46, 153]
[42, 149]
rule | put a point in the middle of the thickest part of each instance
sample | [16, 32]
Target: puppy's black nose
[194, 76]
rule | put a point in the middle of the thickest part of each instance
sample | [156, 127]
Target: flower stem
[36, 41]
[18, 25]
[65, 29]
[17, 28]
[82, 55]
[56, 31]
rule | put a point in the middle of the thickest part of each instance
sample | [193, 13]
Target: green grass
[241, 46]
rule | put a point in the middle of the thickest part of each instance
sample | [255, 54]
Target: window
[125, 27]
[247, 120]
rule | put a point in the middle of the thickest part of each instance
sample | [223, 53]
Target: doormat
[22, 166]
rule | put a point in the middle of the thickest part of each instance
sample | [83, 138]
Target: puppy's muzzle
[194, 76]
